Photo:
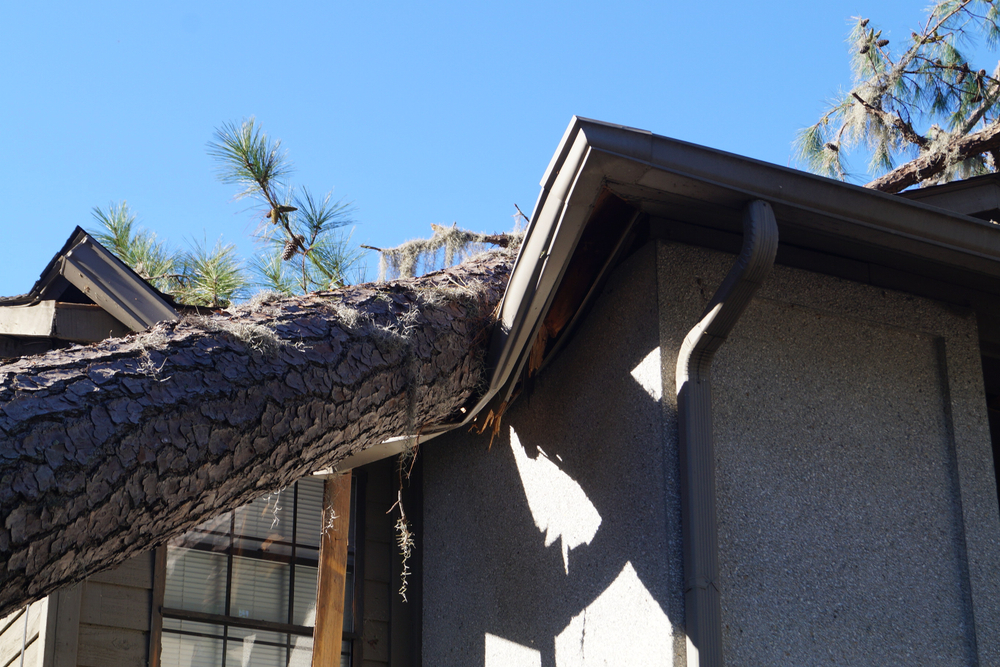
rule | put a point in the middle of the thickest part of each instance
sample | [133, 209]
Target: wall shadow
[487, 569]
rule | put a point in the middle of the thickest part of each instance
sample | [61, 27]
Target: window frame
[227, 620]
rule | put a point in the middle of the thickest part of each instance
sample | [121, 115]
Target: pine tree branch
[897, 121]
[930, 84]
[499, 240]
[989, 99]
[931, 164]
[927, 36]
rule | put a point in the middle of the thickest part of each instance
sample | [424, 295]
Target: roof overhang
[978, 196]
[690, 192]
[604, 179]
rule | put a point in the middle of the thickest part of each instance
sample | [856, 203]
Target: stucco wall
[498, 521]
[857, 505]
[855, 482]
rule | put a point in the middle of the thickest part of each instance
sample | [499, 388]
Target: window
[241, 588]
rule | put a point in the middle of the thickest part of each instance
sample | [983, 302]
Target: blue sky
[418, 113]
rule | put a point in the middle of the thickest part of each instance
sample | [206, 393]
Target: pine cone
[960, 78]
[882, 42]
[864, 22]
[830, 146]
[864, 49]
[982, 73]
[289, 250]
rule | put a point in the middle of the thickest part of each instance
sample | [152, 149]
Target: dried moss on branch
[420, 255]
[109, 449]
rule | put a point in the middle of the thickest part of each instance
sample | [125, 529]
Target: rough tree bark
[109, 449]
[933, 163]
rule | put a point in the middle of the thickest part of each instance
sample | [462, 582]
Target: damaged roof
[608, 185]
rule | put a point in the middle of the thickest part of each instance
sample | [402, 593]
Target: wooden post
[156, 608]
[328, 633]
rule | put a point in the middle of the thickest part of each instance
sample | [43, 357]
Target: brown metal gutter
[702, 595]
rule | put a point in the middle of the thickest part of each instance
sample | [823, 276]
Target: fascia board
[922, 231]
[545, 253]
[569, 188]
[976, 195]
[35, 320]
[85, 323]
[591, 128]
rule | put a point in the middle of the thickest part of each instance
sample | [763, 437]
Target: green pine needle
[248, 158]
[907, 94]
[213, 278]
[136, 247]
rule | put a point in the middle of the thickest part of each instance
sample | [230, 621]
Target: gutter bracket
[702, 596]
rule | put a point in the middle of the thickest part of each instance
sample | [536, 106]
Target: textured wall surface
[552, 547]
[857, 503]
[857, 507]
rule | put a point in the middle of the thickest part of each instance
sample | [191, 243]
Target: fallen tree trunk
[933, 163]
[110, 449]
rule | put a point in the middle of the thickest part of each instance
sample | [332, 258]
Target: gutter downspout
[703, 609]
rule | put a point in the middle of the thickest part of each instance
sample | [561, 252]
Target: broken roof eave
[684, 183]
[689, 183]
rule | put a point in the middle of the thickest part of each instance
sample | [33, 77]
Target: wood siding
[114, 615]
[99, 622]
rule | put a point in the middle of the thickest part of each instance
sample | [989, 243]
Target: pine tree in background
[304, 248]
[138, 248]
[212, 277]
[199, 277]
[924, 103]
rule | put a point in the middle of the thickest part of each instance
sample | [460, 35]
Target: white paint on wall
[647, 374]
[558, 504]
[502, 652]
[624, 626]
